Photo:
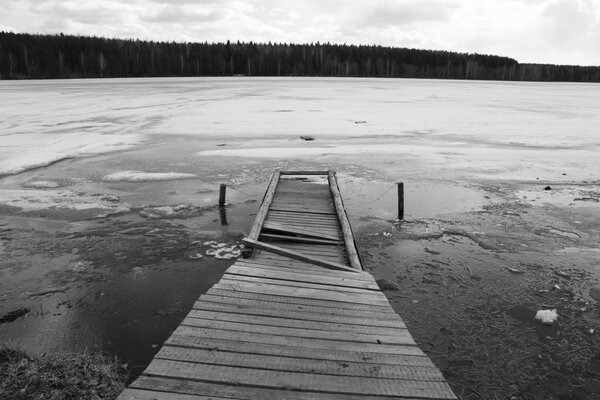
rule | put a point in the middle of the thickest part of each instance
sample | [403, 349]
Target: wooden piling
[222, 194]
[400, 200]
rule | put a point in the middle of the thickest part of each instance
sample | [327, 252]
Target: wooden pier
[297, 319]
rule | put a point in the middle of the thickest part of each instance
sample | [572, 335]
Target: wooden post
[400, 200]
[222, 192]
[223, 215]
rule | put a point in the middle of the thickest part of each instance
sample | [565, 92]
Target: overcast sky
[545, 31]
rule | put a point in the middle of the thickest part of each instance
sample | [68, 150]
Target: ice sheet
[42, 122]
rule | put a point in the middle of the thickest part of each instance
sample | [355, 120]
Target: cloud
[395, 13]
[181, 15]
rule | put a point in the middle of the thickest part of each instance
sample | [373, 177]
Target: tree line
[29, 56]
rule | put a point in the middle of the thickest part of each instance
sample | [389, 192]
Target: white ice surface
[31, 200]
[45, 121]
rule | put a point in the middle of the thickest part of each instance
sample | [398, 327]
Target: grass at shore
[59, 376]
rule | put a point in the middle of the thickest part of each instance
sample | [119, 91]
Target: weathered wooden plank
[224, 304]
[329, 226]
[360, 309]
[272, 237]
[298, 210]
[295, 351]
[301, 172]
[186, 386]
[365, 293]
[314, 232]
[299, 381]
[267, 258]
[288, 268]
[300, 277]
[321, 248]
[289, 322]
[330, 219]
[400, 338]
[299, 292]
[320, 217]
[304, 365]
[143, 394]
[295, 255]
[303, 206]
[314, 202]
[264, 207]
[300, 268]
[346, 229]
[266, 337]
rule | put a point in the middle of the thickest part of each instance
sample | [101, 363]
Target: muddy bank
[468, 286]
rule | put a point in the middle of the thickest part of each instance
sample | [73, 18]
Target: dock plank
[305, 365]
[299, 381]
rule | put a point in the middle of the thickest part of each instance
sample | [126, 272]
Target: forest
[32, 56]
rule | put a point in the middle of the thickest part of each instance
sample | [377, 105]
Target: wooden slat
[288, 322]
[401, 338]
[289, 214]
[362, 293]
[302, 301]
[366, 293]
[282, 311]
[300, 277]
[314, 232]
[300, 211]
[300, 268]
[240, 392]
[286, 350]
[272, 237]
[299, 381]
[304, 365]
[295, 255]
[320, 343]
[141, 394]
[264, 207]
[301, 172]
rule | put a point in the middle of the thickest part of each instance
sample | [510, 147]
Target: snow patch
[546, 316]
[140, 176]
[222, 251]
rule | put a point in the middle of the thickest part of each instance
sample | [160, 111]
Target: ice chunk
[546, 316]
[140, 176]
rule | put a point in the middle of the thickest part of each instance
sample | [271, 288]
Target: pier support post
[400, 200]
[222, 193]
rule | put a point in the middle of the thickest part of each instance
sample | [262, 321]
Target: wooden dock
[297, 319]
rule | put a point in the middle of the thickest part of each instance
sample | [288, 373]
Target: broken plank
[264, 207]
[295, 255]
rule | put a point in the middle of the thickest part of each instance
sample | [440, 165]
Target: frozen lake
[501, 129]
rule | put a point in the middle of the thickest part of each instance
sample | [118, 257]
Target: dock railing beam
[353, 256]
